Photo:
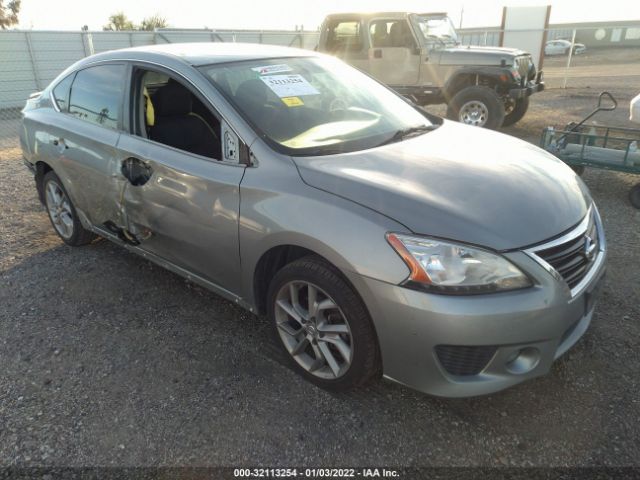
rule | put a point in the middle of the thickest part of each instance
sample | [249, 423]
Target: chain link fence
[30, 60]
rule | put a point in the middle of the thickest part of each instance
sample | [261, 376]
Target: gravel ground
[107, 359]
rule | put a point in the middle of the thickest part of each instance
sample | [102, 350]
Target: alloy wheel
[313, 329]
[59, 209]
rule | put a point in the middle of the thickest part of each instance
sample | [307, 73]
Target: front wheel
[478, 106]
[516, 112]
[322, 325]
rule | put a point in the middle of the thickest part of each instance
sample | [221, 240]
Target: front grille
[464, 360]
[574, 258]
[526, 68]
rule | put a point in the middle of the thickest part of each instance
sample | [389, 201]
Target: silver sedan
[378, 240]
[563, 47]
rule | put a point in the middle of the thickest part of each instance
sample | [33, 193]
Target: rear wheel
[62, 213]
[478, 106]
[322, 325]
[516, 111]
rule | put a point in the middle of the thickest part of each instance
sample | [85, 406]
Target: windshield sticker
[292, 101]
[289, 85]
[268, 69]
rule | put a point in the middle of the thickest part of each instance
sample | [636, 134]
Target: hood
[490, 56]
[460, 183]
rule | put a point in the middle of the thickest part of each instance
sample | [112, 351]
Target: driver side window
[171, 114]
[391, 33]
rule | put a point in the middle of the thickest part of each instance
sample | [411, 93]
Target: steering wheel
[337, 108]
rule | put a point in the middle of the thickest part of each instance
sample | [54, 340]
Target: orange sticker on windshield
[292, 101]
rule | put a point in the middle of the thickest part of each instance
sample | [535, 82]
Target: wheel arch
[277, 257]
[42, 168]
[268, 264]
[281, 254]
[467, 77]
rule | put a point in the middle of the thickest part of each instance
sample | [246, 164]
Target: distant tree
[119, 21]
[9, 13]
[153, 22]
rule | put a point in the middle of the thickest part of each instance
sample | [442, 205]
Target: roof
[211, 52]
[369, 14]
[380, 14]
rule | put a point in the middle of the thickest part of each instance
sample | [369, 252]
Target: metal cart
[610, 148]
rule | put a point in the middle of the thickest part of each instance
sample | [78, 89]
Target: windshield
[437, 30]
[314, 105]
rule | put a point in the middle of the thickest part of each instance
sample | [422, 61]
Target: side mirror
[230, 144]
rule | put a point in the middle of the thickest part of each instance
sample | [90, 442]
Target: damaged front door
[182, 208]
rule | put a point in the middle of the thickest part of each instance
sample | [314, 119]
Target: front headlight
[515, 73]
[449, 268]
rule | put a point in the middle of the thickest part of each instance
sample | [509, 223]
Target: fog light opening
[523, 360]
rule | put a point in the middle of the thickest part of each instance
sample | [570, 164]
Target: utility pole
[461, 16]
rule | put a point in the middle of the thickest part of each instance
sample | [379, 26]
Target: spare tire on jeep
[478, 106]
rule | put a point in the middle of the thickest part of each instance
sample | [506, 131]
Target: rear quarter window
[61, 93]
[96, 95]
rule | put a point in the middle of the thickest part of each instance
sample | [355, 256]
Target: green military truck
[420, 57]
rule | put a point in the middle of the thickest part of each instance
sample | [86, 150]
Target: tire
[634, 196]
[477, 105]
[62, 213]
[306, 336]
[517, 113]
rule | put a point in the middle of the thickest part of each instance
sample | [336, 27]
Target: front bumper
[529, 89]
[529, 329]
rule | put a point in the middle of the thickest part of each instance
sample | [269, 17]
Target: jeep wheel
[517, 111]
[478, 106]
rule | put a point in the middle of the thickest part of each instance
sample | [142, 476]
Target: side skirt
[175, 269]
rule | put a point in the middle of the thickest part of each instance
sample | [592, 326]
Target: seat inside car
[178, 126]
[400, 35]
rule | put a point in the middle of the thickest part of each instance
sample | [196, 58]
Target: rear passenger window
[344, 37]
[96, 95]
[61, 93]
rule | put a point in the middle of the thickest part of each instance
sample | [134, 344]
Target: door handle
[59, 141]
[137, 171]
[377, 53]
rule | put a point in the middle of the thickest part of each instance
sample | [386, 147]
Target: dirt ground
[109, 360]
[593, 67]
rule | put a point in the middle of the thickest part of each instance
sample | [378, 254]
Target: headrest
[380, 29]
[172, 100]
[149, 111]
[223, 82]
[252, 91]
[399, 34]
